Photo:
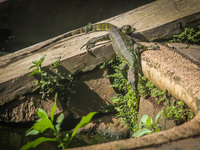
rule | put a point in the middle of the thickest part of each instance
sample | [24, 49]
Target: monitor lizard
[89, 28]
[124, 46]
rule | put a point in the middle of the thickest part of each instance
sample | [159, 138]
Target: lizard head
[127, 29]
[89, 27]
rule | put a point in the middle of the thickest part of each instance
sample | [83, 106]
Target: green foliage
[146, 88]
[126, 102]
[147, 126]
[177, 111]
[51, 80]
[35, 143]
[118, 81]
[127, 108]
[107, 109]
[189, 35]
[84, 121]
[45, 123]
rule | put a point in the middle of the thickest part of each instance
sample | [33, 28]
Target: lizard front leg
[91, 43]
[139, 46]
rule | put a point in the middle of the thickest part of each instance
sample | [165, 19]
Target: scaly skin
[86, 29]
[124, 46]
[89, 28]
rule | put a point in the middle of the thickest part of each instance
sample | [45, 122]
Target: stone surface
[169, 70]
[191, 52]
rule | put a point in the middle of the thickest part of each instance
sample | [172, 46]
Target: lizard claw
[88, 45]
[155, 47]
[82, 46]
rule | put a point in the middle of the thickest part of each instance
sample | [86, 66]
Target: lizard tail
[101, 27]
[86, 29]
[69, 34]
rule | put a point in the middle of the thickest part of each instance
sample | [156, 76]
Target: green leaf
[60, 118]
[32, 132]
[35, 62]
[42, 59]
[34, 72]
[54, 108]
[84, 121]
[144, 119]
[159, 128]
[157, 117]
[42, 125]
[142, 132]
[44, 73]
[59, 121]
[151, 120]
[148, 121]
[36, 142]
[66, 137]
[32, 66]
[42, 113]
[51, 67]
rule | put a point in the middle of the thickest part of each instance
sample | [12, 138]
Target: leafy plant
[147, 126]
[146, 88]
[51, 80]
[107, 109]
[189, 35]
[127, 108]
[45, 123]
[177, 112]
[118, 81]
[126, 103]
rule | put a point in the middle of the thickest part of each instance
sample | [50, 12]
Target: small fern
[188, 36]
